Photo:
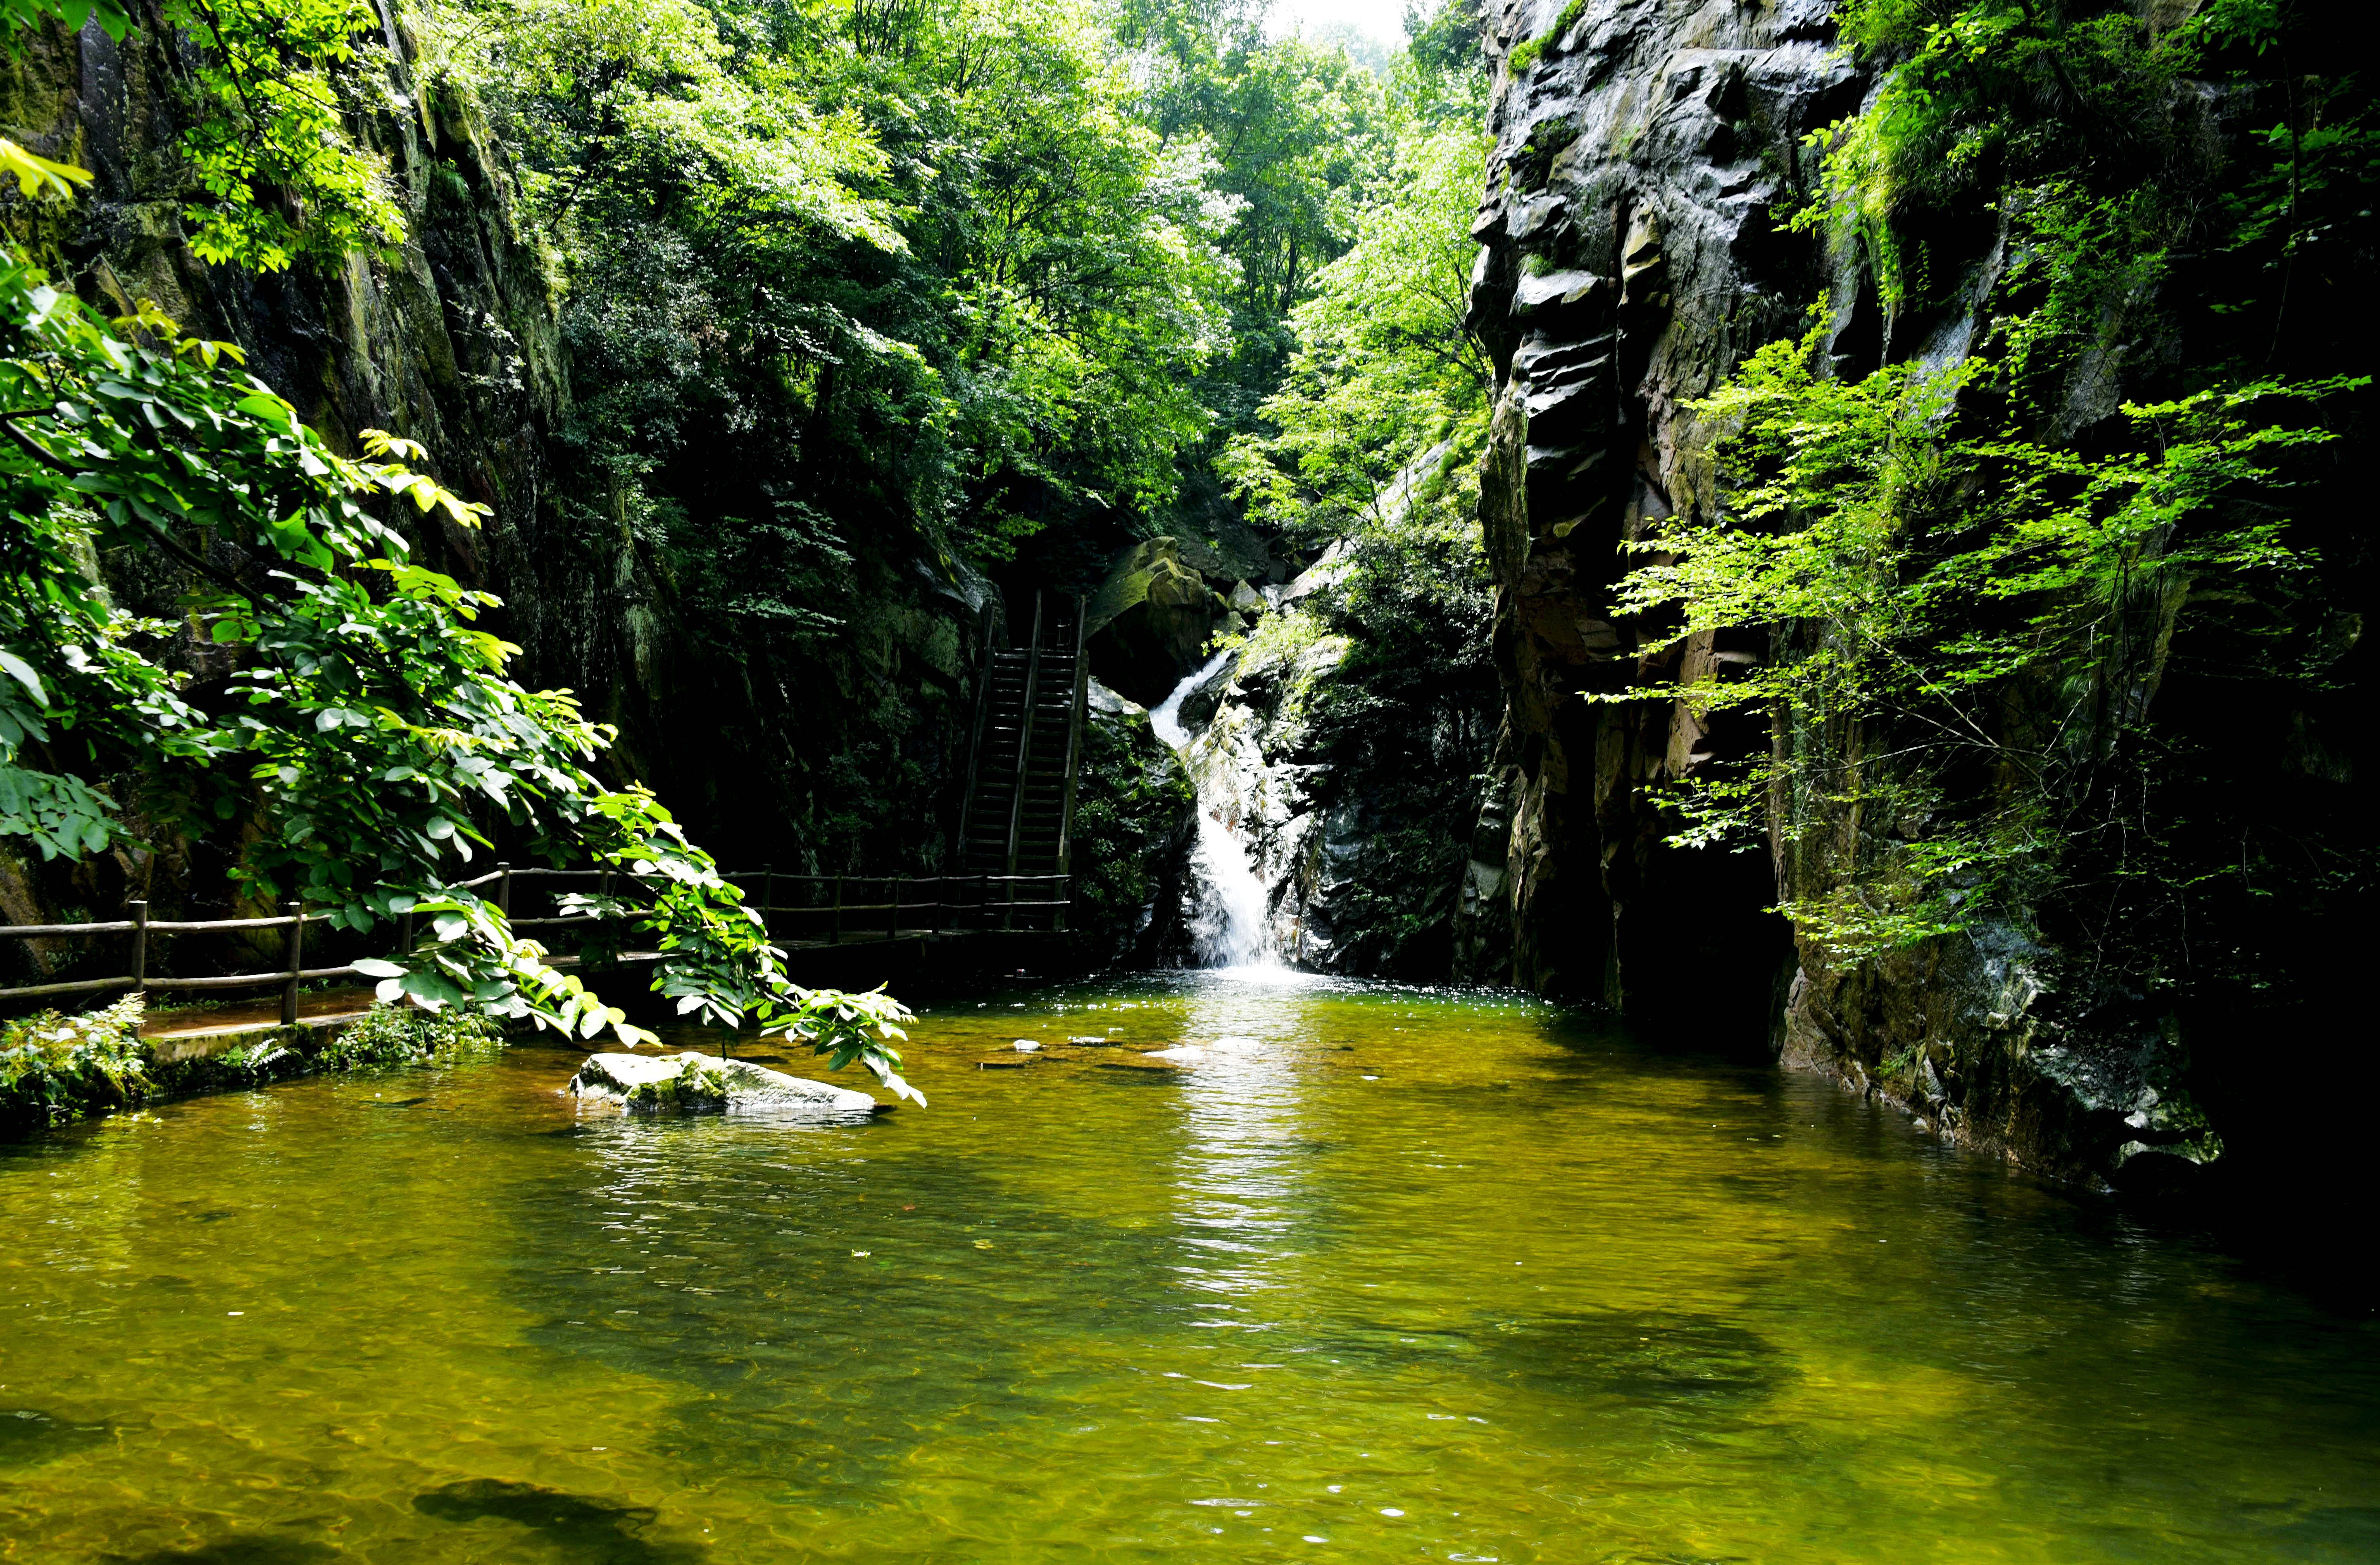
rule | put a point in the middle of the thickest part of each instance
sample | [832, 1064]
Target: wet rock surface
[1634, 254]
[692, 1081]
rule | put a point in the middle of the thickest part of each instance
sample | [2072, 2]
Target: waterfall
[1229, 927]
[1166, 716]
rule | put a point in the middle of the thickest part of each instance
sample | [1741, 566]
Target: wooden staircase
[1028, 748]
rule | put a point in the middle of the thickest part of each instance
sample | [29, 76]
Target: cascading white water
[1229, 927]
[1166, 716]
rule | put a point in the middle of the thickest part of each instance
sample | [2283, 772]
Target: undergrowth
[55, 1069]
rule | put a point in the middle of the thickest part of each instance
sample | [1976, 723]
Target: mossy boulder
[696, 1083]
[1151, 621]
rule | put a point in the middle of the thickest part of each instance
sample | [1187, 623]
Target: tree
[364, 729]
[1384, 367]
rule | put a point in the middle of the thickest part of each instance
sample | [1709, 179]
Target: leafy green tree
[365, 731]
[273, 80]
[270, 144]
[1384, 367]
[1917, 580]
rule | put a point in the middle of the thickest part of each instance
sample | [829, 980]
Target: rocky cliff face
[1632, 257]
[457, 341]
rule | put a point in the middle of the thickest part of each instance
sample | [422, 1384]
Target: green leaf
[22, 673]
[37, 175]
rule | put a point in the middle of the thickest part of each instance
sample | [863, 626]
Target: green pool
[1418, 1276]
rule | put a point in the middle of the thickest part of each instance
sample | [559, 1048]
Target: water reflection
[1421, 1275]
[1241, 1186]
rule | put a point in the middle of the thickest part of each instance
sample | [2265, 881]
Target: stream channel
[1410, 1275]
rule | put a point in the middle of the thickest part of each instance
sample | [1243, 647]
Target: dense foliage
[984, 287]
[1918, 575]
[1972, 579]
[273, 82]
[997, 266]
[55, 1069]
[357, 722]
[952, 284]
[1370, 447]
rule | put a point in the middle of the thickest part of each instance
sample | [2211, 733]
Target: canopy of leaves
[1385, 369]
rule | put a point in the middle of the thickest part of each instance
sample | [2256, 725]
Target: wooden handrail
[899, 892]
[1025, 725]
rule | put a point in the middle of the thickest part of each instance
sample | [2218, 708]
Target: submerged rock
[650, 1082]
[1191, 1053]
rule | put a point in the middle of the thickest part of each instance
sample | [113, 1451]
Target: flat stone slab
[694, 1080]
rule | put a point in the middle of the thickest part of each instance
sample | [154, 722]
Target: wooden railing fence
[960, 904]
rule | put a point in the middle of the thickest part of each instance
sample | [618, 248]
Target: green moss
[1527, 55]
[698, 1084]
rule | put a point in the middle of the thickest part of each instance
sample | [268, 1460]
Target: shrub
[404, 1034]
[55, 1068]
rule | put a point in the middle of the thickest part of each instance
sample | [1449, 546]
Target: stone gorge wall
[1631, 262]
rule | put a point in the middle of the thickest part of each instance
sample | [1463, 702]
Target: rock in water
[1191, 1053]
[650, 1082]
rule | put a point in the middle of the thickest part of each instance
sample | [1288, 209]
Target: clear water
[1429, 1277]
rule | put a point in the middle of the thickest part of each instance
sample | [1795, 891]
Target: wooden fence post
[767, 891]
[292, 949]
[504, 890]
[405, 935]
[837, 928]
[140, 907]
[892, 912]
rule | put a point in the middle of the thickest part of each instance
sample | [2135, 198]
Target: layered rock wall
[1632, 257]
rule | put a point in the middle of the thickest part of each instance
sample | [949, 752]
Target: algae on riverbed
[1418, 1274]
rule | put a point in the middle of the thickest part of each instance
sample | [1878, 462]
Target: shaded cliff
[829, 748]
[1632, 259]
[2102, 1024]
